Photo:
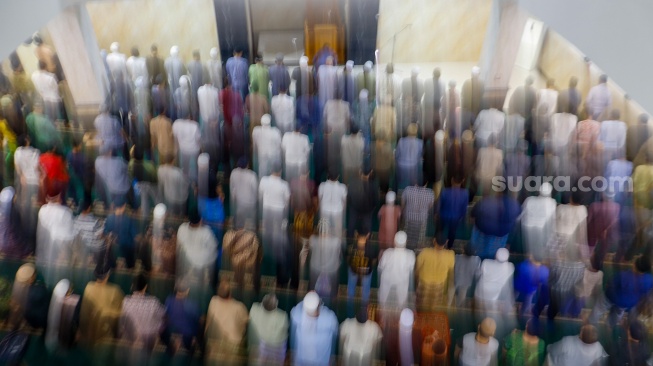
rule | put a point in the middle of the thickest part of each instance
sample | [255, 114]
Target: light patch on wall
[190, 24]
[441, 31]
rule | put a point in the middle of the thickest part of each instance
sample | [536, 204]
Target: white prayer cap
[452, 83]
[390, 197]
[7, 195]
[502, 255]
[368, 65]
[303, 61]
[400, 239]
[415, 70]
[439, 135]
[406, 318]
[213, 52]
[476, 70]
[159, 211]
[311, 302]
[115, 46]
[349, 65]
[61, 289]
[266, 119]
[184, 81]
[363, 94]
[174, 51]
[546, 189]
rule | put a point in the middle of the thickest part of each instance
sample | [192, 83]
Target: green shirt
[259, 74]
[42, 132]
[519, 353]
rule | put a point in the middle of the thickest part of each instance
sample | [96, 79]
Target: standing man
[243, 189]
[214, 67]
[46, 85]
[417, 203]
[266, 145]
[599, 100]
[187, 136]
[332, 197]
[197, 75]
[174, 68]
[283, 110]
[274, 198]
[569, 99]
[327, 82]
[236, 67]
[259, 75]
[363, 195]
[137, 67]
[279, 75]
[471, 95]
[434, 276]
[408, 157]
[155, 65]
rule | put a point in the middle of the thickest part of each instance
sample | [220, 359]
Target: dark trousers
[358, 222]
[452, 228]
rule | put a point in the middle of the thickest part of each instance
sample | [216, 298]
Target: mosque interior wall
[189, 24]
[441, 31]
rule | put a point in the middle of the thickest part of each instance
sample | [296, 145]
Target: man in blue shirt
[531, 280]
[182, 317]
[123, 228]
[624, 291]
[313, 332]
[237, 68]
[494, 217]
[452, 207]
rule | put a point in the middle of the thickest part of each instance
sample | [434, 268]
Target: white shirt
[494, 278]
[488, 122]
[598, 99]
[613, 134]
[571, 223]
[187, 134]
[27, 160]
[56, 223]
[359, 342]
[267, 140]
[46, 85]
[548, 97]
[197, 244]
[243, 185]
[562, 125]
[283, 111]
[274, 192]
[332, 195]
[295, 147]
[479, 354]
[396, 269]
[136, 67]
[117, 64]
[351, 150]
[208, 99]
[327, 83]
[570, 350]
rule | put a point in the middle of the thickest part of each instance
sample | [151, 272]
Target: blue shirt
[313, 340]
[618, 172]
[627, 287]
[212, 213]
[183, 316]
[409, 151]
[529, 277]
[496, 215]
[123, 227]
[237, 70]
[453, 203]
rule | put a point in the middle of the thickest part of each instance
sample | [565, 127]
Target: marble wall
[190, 24]
[560, 60]
[441, 31]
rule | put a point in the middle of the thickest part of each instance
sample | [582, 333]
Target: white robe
[208, 100]
[538, 223]
[283, 111]
[117, 64]
[296, 150]
[396, 271]
[327, 83]
[137, 67]
[359, 343]
[267, 147]
[333, 200]
[489, 122]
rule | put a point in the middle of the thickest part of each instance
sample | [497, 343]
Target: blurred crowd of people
[326, 165]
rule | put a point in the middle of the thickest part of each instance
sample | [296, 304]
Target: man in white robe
[209, 104]
[175, 68]
[583, 349]
[214, 67]
[197, 252]
[494, 289]
[360, 340]
[489, 122]
[117, 62]
[267, 332]
[336, 122]
[327, 82]
[396, 273]
[283, 110]
[187, 136]
[54, 238]
[296, 150]
[267, 146]
[599, 100]
[352, 149]
[548, 98]
[332, 196]
[613, 137]
[274, 198]
[538, 221]
[47, 87]
[243, 188]
[137, 67]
